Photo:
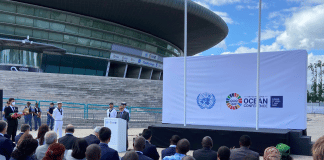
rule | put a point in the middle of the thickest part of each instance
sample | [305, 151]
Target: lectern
[118, 133]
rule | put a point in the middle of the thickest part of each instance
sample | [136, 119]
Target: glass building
[37, 37]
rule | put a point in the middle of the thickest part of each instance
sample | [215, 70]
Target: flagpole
[258, 70]
[185, 63]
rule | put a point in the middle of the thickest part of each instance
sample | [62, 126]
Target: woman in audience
[78, 150]
[318, 149]
[41, 134]
[271, 153]
[23, 137]
[25, 150]
[55, 152]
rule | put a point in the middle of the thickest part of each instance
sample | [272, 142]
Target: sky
[285, 25]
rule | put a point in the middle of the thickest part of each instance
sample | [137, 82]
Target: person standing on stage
[124, 105]
[50, 119]
[12, 122]
[28, 115]
[37, 116]
[111, 112]
[58, 119]
[124, 115]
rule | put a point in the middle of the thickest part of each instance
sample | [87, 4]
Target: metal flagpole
[185, 63]
[258, 70]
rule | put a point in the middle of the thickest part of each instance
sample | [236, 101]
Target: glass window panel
[109, 27]
[119, 30]
[90, 72]
[25, 10]
[82, 50]
[52, 69]
[71, 29]
[79, 71]
[7, 6]
[69, 48]
[72, 19]
[161, 51]
[100, 73]
[129, 32]
[84, 41]
[151, 48]
[24, 21]
[94, 43]
[40, 34]
[118, 39]
[134, 43]
[56, 37]
[41, 24]
[23, 32]
[7, 29]
[7, 18]
[66, 70]
[125, 40]
[105, 54]
[57, 26]
[42, 13]
[94, 52]
[85, 32]
[70, 39]
[137, 35]
[96, 34]
[58, 16]
[106, 45]
[141, 45]
[162, 44]
[86, 22]
[108, 37]
[99, 25]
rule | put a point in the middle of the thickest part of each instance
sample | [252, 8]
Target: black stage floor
[229, 136]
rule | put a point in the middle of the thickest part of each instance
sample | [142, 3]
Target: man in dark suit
[93, 139]
[124, 115]
[150, 149]
[12, 122]
[243, 151]
[5, 143]
[106, 152]
[23, 129]
[205, 153]
[68, 140]
[171, 150]
[139, 145]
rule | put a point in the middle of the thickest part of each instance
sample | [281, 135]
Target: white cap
[97, 129]
[59, 102]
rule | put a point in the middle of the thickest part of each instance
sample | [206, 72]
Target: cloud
[225, 17]
[267, 34]
[309, 2]
[222, 45]
[198, 54]
[222, 2]
[264, 48]
[254, 6]
[240, 43]
[204, 4]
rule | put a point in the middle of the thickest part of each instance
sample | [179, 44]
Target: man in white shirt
[58, 118]
[111, 112]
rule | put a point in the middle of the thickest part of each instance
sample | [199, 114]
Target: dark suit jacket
[141, 156]
[108, 153]
[68, 141]
[170, 151]
[11, 122]
[18, 137]
[124, 116]
[205, 154]
[92, 139]
[150, 151]
[240, 153]
[5, 147]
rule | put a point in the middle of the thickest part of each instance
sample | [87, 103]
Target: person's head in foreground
[3, 126]
[139, 143]
[96, 131]
[41, 133]
[50, 137]
[130, 155]
[183, 146]
[147, 134]
[69, 129]
[26, 148]
[79, 148]
[223, 153]
[93, 152]
[245, 141]
[104, 135]
[188, 158]
[25, 128]
[24, 137]
[271, 153]
[55, 152]
[174, 140]
[207, 142]
[318, 149]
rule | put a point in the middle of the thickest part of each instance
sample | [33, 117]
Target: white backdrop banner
[221, 90]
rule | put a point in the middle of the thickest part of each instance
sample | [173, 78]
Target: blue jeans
[28, 120]
[50, 120]
[37, 120]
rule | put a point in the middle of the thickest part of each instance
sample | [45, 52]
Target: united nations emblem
[206, 100]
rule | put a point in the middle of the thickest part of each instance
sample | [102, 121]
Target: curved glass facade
[21, 57]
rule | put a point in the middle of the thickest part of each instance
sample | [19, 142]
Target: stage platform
[299, 142]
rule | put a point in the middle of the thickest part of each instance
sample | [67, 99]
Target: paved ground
[314, 129]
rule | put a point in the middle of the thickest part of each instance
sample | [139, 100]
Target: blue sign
[276, 102]
[206, 100]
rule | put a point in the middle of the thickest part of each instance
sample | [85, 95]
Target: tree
[320, 84]
[313, 94]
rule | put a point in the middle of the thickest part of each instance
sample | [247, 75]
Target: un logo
[206, 100]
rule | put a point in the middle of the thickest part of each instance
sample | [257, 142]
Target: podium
[118, 129]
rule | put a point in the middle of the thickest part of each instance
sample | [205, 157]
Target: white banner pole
[258, 70]
[185, 62]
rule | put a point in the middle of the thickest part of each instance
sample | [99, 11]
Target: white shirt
[113, 113]
[57, 115]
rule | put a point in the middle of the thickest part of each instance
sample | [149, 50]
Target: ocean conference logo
[206, 100]
[234, 101]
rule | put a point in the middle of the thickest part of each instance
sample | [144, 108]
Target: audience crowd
[47, 146]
